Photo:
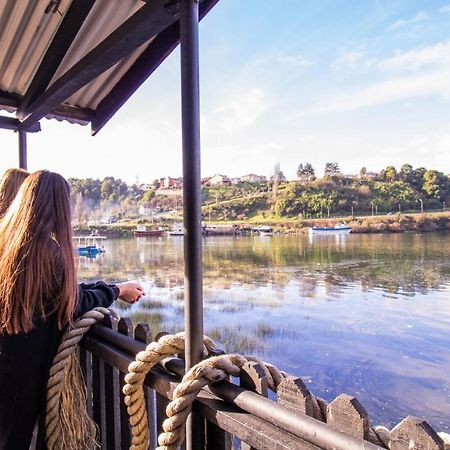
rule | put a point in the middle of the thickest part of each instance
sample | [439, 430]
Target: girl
[9, 185]
[39, 297]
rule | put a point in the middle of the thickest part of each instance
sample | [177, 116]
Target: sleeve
[93, 295]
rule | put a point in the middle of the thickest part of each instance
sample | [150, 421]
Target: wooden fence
[232, 415]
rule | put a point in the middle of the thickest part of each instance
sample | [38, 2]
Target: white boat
[340, 228]
[264, 230]
[177, 230]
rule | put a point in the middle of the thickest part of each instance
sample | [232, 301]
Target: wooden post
[346, 414]
[293, 394]
[124, 327]
[112, 399]
[253, 378]
[413, 433]
[142, 333]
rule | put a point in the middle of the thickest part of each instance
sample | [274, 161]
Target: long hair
[9, 186]
[37, 264]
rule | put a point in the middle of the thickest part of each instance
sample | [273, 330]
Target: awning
[80, 60]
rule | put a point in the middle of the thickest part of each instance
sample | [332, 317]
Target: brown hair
[9, 186]
[37, 265]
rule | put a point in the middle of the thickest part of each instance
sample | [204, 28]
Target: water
[366, 315]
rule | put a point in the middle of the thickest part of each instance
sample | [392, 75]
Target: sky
[361, 83]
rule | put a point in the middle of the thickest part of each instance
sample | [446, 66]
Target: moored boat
[341, 228]
[177, 230]
[264, 230]
[142, 231]
[88, 245]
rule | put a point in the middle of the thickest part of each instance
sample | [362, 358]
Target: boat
[264, 230]
[219, 230]
[88, 245]
[340, 228]
[141, 231]
[177, 230]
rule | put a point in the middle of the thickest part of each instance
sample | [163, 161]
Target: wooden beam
[148, 21]
[8, 99]
[10, 123]
[156, 52]
[67, 31]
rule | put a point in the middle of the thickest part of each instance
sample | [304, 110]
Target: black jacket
[25, 361]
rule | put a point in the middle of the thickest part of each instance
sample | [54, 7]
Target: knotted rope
[60, 430]
[204, 373]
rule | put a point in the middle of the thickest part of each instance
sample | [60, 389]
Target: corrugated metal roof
[31, 32]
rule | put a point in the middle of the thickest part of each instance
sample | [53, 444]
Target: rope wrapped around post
[62, 364]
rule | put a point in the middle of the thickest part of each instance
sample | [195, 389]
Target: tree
[363, 173]
[435, 185]
[391, 173]
[406, 172]
[331, 170]
[306, 172]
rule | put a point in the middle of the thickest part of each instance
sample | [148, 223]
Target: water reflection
[362, 314]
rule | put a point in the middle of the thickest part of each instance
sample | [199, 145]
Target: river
[366, 315]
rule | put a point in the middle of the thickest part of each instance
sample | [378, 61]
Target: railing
[232, 416]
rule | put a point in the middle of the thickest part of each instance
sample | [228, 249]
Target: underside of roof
[80, 60]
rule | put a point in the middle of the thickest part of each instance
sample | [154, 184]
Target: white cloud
[354, 60]
[378, 93]
[296, 60]
[445, 9]
[437, 55]
[401, 23]
[242, 110]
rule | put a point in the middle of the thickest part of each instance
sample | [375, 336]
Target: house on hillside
[235, 181]
[171, 183]
[252, 178]
[219, 180]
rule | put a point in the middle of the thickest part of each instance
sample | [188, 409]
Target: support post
[22, 149]
[190, 107]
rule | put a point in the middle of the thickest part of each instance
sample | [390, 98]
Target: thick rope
[204, 373]
[58, 373]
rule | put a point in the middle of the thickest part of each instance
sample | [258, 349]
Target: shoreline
[398, 223]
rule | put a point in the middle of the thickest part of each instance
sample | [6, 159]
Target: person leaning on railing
[9, 186]
[39, 297]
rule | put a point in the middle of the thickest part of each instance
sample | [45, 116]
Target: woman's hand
[130, 292]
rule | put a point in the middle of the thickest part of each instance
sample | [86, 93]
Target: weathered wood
[86, 369]
[143, 333]
[346, 414]
[414, 433]
[112, 398]
[125, 327]
[98, 396]
[293, 394]
[253, 378]
[216, 438]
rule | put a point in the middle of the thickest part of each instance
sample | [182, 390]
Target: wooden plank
[148, 21]
[67, 31]
[156, 52]
[292, 393]
[142, 333]
[98, 389]
[346, 414]
[9, 123]
[414, 433]
[86, 368]
[112, 399]
[254, 379]
[125, 327]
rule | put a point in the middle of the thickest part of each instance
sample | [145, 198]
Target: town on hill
[259, 197]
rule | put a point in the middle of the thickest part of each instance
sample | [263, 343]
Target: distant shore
[396, 223]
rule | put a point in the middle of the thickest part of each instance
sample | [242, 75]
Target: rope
[61, 366]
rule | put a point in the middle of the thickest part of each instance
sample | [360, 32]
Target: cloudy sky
[363, 83]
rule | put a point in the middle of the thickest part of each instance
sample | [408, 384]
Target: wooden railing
[233, 416]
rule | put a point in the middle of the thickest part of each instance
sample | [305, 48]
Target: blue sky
[363, 83]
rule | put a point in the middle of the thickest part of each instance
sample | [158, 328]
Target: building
[252, 178]
[219, 180]
[171, 183]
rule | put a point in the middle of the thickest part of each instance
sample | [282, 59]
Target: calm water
[367, 315]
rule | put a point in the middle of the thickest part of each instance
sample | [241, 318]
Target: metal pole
[23, 149]
[190, 107]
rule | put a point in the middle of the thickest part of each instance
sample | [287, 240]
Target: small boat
[88, 245]
[341, 228]
[219, 230]
[141, 231]
[264, 230]
[177, 230]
